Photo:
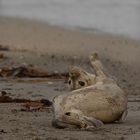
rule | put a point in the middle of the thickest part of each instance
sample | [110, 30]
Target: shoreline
[41, 38]
[23, 27]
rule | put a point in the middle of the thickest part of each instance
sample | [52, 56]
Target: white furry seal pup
[102, 101]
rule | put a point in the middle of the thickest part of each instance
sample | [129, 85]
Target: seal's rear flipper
[123, 116]
[97, 65]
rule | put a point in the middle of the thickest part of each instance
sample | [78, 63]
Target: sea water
[121, 17]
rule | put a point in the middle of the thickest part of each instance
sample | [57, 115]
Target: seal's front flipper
[61, 125]
[90, 123]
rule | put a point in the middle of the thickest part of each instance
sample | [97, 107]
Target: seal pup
[91, 106]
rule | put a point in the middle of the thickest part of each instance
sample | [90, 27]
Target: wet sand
[57, 49]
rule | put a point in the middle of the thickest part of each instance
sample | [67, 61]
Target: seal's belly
[106, 116]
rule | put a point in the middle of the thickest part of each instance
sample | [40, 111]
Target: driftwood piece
[4, 48]
[29, 71]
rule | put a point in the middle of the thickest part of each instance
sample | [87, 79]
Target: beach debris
[29, 71]
[1, 56]
[22, 71]
[28, 105]
[14, 110]
[2, 131]
[46, 102]
[46, 105]
[4, 93]
[5, 98]
[4, 48]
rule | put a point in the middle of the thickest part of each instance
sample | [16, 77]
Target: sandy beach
[56, 49]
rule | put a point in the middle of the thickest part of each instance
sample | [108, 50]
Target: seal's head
[61, 117]
[78, 78]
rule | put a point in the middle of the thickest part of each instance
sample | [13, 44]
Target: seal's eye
[81, 83]
[69, 82]
[67, 113]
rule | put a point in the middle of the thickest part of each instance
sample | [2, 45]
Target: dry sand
[56, 49]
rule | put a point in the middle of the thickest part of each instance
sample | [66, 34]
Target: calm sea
[121, 17]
